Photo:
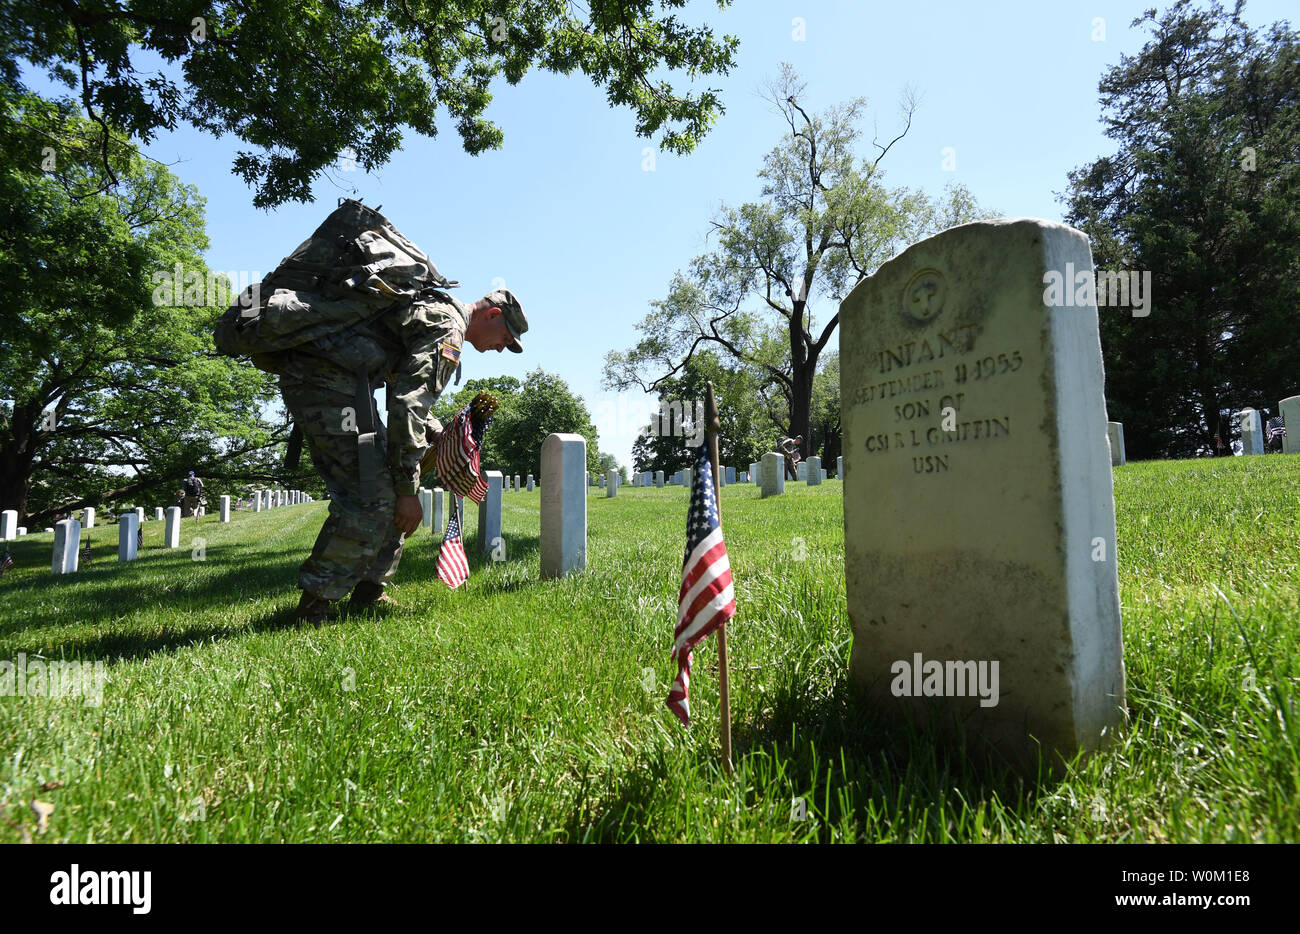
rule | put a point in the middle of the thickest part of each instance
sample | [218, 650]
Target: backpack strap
[367, 451]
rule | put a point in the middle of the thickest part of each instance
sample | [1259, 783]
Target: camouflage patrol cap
[512, 311]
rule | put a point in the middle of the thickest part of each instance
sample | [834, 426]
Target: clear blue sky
[566, 216]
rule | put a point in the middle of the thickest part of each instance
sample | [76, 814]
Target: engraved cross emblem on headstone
[924, 296]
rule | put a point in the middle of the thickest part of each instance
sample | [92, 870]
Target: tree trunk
[801, 404]
[16, 458]
[803, 367]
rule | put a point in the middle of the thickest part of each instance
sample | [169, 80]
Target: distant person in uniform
[415, 350]
[789, 448]
[191, 495]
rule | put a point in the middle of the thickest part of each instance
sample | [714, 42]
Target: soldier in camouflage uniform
[415, 350]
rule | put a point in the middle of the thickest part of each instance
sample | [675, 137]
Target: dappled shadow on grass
[862, 778]
[113, 595]
[128, 646]
[841, 752]
[625, 814]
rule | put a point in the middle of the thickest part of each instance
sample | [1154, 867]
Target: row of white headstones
[565, 486]
[67, 532]
[810, 471]
[1252, 432]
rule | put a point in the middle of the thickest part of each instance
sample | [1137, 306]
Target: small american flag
[453, 568]
[707, 598]
[457, 456]
[139, 537]
[6, 562]
[85, 554]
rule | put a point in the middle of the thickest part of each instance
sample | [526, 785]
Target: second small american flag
[706, 599]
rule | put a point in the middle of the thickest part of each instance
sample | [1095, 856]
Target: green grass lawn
[531, 710]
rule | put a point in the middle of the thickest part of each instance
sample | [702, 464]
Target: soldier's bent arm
[432, 334]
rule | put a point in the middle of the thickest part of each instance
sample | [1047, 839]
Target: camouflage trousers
[358, 541]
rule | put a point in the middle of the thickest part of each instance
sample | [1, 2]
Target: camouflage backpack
[354, 268]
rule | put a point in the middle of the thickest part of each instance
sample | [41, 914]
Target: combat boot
[369, 594]
[312, 609]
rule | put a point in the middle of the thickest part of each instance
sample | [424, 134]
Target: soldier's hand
[407, 514]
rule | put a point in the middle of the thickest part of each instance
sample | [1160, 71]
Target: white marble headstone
[172, 531]
[813, 471]
[67, 545]
[1252, 432]
[489, 511]
[563, 505]
[773, 474]
[1289, 409]
[988, 538]
[1115, 435]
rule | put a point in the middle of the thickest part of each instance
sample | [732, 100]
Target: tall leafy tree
[746, 430]
[110, 386]
[302, 81]
[825, 222]
[1203, 192]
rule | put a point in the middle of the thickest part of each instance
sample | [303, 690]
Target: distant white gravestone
[8, 525]
[172, 531]
[1289, 409]
[157, 514]
[225, 509]
[426, 507]
[839, 467]
[773, 474]
[67, 546]
[88, 521]
[1252, 432]
[489, 512]
[437, 497]
[814, 470]
[1115, 434]
[801, 471]
[530, 483]
[980, 520]
[564, 505]
[611, 483]
[128, 528]
[659, 478]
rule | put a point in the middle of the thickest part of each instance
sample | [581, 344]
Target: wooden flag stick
[712, 427]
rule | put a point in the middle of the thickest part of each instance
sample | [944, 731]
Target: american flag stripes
[6, 562]
[457, 457]
[453, 568]
[707, 598]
